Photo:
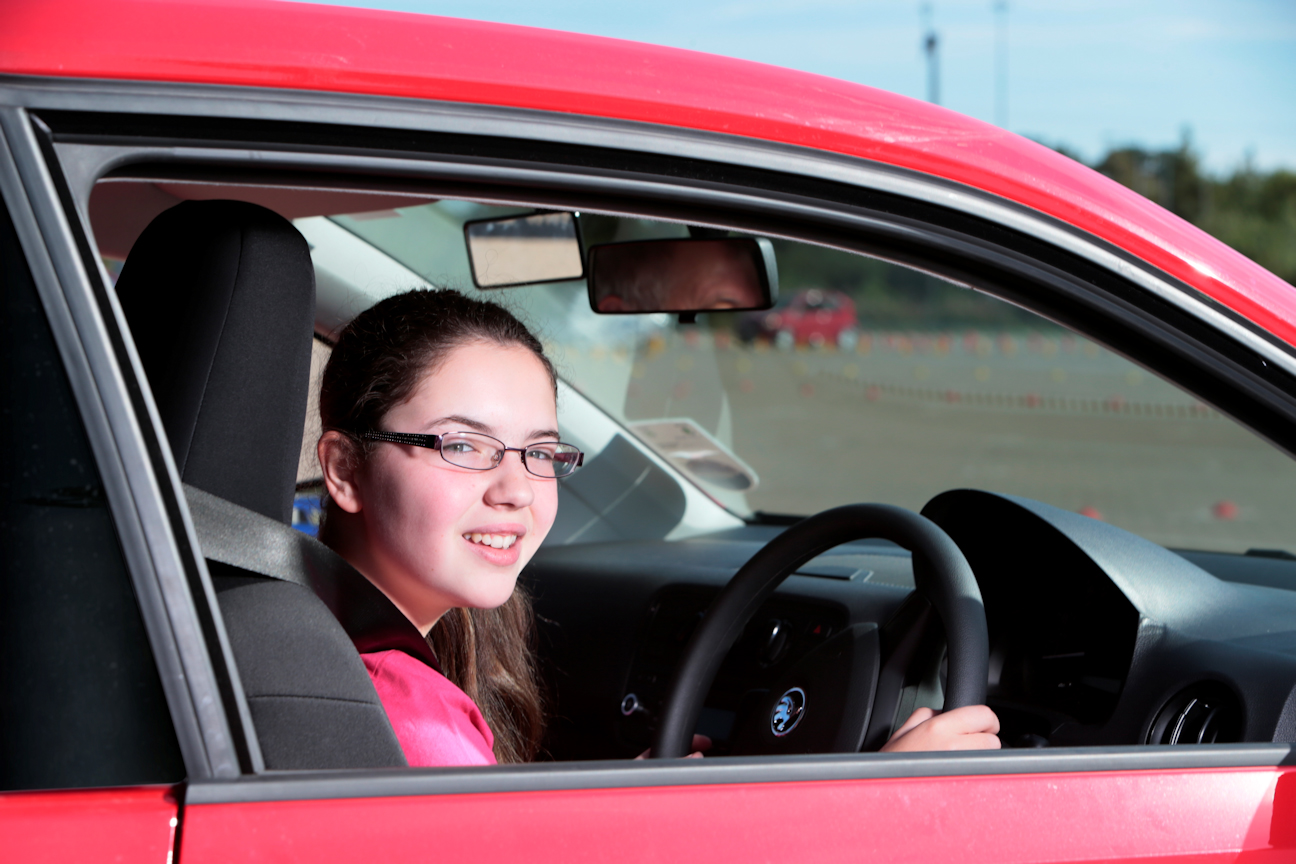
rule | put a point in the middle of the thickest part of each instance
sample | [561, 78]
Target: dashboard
[1097, 637]
[1062, 634]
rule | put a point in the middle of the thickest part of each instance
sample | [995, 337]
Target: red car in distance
[815, 317]
[161, 698]
[812, 316]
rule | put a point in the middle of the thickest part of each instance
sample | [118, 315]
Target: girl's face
[431, 532]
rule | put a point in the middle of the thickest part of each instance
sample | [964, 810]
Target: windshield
[873, 382]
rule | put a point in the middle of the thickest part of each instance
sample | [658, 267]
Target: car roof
[263, 43]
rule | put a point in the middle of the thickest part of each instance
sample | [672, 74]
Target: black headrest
[220, 298]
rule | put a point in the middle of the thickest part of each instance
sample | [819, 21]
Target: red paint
[261, 43]
[1091, 512]
[87, 826]
[1198, 816]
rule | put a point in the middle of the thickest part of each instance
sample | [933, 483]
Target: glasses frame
[433, 442]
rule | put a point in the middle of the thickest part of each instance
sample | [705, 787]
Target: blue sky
[1090, 74]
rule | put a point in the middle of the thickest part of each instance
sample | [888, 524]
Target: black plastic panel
[1246, 569]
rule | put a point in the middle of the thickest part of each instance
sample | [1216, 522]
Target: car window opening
[867, 381]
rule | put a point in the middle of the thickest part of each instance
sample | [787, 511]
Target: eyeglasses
[482, 452]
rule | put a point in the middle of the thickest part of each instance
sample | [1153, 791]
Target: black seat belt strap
[243, 538]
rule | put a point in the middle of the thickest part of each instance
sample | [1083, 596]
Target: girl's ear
[337, 460]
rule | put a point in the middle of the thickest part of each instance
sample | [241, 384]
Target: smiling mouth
[497, 541]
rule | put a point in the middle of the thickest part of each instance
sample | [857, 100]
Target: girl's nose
[510, 484]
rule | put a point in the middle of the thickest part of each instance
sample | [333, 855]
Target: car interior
[1130, 540]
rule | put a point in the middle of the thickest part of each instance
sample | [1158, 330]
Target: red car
[1105, 554]
[813, 317]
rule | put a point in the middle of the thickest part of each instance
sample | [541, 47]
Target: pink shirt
[436, 723]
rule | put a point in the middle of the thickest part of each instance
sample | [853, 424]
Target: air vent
[1204, 713]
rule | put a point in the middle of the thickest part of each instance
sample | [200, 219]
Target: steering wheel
[941, 573]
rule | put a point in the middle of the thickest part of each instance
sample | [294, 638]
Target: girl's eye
[458, 447]
[540, 454]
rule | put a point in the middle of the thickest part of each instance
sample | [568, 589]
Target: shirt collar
[366, 614]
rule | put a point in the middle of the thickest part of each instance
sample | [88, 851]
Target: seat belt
[236, 536]
[243, 538]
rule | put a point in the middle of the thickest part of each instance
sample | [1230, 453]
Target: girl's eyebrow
[467, 422]
[487, 429]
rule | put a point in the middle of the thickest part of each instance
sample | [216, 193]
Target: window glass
[81, 703]
[874, 382]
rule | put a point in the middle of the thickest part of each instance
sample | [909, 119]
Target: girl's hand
[973, 727]
[701, 744]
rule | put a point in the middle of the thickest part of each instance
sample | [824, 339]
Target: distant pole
[1001, 63]
[931, 45]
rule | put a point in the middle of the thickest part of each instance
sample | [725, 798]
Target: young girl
[433, 525]
[441, 458]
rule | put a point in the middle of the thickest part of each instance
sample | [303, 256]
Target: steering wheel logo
[788, 712]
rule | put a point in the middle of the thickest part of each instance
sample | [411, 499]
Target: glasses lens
[552, 459]
[467, 450]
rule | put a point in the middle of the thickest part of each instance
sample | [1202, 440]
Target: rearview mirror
[524, 250]
[683, 276]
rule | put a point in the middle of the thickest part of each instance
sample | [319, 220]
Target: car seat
[220, 299]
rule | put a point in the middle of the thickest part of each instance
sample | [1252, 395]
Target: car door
[971, 810]
[1101, 804]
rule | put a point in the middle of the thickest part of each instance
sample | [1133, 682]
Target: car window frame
[1186, 325]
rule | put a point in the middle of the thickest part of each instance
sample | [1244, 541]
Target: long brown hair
[378, 362]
